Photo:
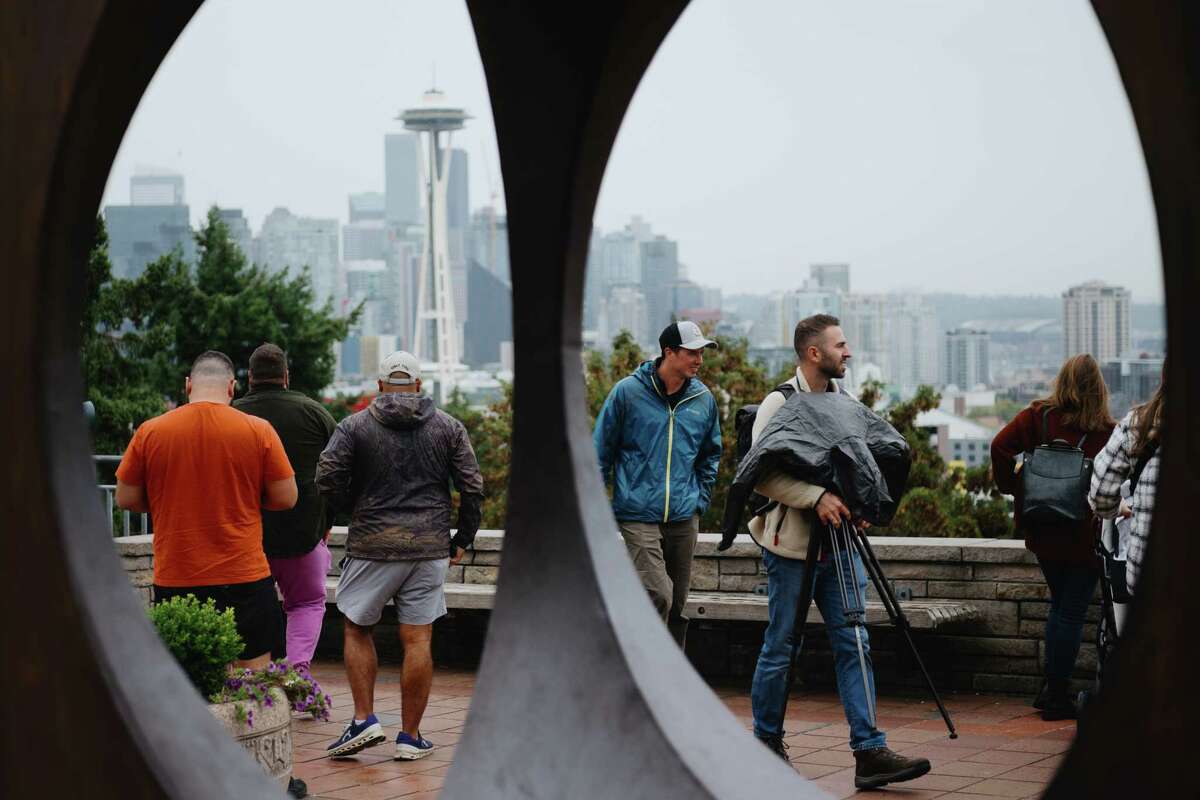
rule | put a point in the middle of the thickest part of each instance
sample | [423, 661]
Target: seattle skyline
[950, 147]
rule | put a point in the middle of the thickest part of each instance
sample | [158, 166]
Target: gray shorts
[417, 587]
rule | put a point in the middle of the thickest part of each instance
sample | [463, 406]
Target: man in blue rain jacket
[658, 438]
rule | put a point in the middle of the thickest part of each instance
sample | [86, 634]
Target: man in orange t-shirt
[205, 472]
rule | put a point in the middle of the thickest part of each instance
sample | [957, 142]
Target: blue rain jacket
[662, 462]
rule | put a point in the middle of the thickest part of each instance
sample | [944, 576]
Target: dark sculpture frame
[581, 692]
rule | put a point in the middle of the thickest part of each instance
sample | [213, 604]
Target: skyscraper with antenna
[436, 339]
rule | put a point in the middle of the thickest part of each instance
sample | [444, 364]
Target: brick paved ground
[1004, 750]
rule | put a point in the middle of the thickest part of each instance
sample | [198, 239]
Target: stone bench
[730, 606]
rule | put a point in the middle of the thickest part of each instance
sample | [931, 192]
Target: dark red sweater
[1074, 544]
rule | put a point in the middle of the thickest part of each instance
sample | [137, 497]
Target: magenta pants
[302, 583]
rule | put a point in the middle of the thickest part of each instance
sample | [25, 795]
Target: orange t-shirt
[204, 467]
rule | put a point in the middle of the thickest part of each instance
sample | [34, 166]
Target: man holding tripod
[785, 532]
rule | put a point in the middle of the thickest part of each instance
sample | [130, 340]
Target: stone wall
[1001, 651]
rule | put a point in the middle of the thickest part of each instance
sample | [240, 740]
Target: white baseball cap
[400, 361]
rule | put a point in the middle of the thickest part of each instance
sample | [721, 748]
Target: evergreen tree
[141, 335]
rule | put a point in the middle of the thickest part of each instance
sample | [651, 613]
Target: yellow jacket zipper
[670, 443]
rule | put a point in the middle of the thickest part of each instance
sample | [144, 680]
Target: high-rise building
[487, 241]
[788, 308]
[290, 243]
[660, 271]
[156, 188]
[913, 342]
[368, 285]
[489, 316]
[831, 277]
[687, 296]
[364, 239]
[1130, 381]
[1096, 320]
[402, 179]
[965, 362]
[138, 235]
[239, 230]
[366, 206]
[624, 309]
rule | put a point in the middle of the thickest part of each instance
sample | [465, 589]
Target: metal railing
[121, 526]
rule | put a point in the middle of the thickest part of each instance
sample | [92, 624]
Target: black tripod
[843, 541]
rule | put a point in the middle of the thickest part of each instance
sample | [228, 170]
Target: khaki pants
[662, 553]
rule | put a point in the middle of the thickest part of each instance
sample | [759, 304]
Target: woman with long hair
[1077, 412]
[1132, 455]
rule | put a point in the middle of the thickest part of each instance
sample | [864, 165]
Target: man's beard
[833, 368]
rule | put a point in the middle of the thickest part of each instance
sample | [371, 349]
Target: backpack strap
[786, 389]
[1046, 425]
[1142, 460]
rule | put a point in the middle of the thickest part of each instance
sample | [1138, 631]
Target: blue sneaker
[410, 749]
[367, 733]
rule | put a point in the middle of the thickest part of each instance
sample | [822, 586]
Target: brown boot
[879, 766]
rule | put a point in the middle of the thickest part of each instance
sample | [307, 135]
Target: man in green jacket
[295, 540]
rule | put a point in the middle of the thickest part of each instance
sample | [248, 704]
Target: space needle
[436, 338]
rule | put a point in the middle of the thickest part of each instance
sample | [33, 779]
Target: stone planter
[269, 741]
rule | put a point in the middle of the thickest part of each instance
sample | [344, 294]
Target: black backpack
[743, 422]
[1055, 480]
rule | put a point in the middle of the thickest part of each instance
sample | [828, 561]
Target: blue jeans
[1071, 588]
[784, 576]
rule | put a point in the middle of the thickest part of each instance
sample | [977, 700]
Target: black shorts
[255, 610]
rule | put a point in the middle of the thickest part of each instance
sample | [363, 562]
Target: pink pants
[302, 582]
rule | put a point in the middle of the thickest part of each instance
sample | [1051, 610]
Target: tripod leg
[853, 605]
[890, 604]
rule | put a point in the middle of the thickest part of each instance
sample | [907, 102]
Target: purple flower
[268, 701]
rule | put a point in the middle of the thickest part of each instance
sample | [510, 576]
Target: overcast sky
[957, 145]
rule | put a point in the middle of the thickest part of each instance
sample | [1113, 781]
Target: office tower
[788, 308]
[156, 188]
[365, 206]
[138, 235]
[660, 271]
[965, 362]
[404, 271]
[365, 239]
[864, 321]
[402, 179]
[911, 325]
[489, 316]
[1096, 320]
[620, 260]
[487, 241]
[368, 285]
[624, 309]
[288, 243]
[239, 230]
[438, 336]
[1130, 381]
[831, 277]
[686, 296]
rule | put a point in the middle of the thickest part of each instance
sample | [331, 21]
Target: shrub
[203, 640]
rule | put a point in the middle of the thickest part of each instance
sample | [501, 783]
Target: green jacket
[304, 426]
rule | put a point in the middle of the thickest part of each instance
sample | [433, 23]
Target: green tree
[152, 327]
[490, 431]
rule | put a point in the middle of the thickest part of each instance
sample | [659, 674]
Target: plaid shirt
[1112, 468]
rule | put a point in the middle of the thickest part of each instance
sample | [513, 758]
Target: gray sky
[958, 145]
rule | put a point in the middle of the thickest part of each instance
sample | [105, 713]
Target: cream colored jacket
[784, 530]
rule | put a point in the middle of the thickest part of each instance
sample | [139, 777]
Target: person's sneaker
[355, 738]
[879, 766]
[409, 748]
[776, 745]
[1059, 703]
